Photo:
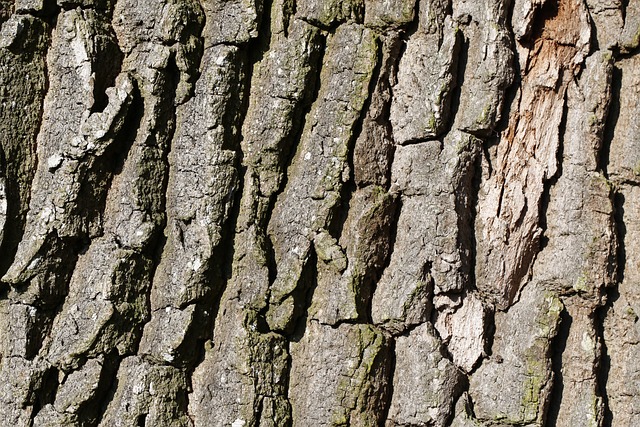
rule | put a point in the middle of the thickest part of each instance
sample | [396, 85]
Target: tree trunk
[320, 213]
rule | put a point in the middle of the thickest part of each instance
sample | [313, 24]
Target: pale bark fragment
[463, 329]
[508, 227]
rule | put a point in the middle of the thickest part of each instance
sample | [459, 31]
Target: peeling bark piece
[389, 14]
[508, 227]
[514, 385]
[244, 375]
[425, 82]
[621, 324]
[147, 393]
[339, 375]
[581, 249]
[624, 156]
[524, 14]
[320, 165]
[463, 331]
[431, 245]
[425, 383]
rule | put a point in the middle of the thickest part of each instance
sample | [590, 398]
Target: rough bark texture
[319, 213]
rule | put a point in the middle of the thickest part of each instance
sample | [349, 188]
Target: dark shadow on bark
[340, 212]
[389, 394]
[106, 69]
[558, 346]
[552, 181]
[462, 56]
[611, 121]
[108, 386]
[612, 295]
[91, 411]
[302, 297]
[46, 392]
[489, 332]
[621, 233]
[289, 147]
[393, 233]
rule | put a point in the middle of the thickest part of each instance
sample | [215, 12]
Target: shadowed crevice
[558, 346]
[611, 121]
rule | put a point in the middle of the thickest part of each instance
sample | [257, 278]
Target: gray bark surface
[319, 213]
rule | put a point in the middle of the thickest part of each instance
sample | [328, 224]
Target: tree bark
[319, 213]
